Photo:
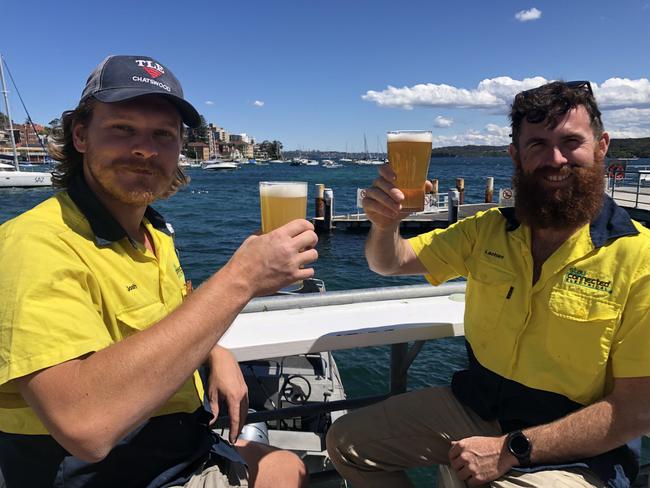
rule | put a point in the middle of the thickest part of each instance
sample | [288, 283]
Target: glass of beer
[281, 202]
[409, 152]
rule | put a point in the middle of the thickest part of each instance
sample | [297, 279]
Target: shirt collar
[106, 229]
[610, 223]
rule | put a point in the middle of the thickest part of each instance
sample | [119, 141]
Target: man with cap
[100, 340]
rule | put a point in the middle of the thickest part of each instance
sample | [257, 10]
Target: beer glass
[281, 202]
[409, 152]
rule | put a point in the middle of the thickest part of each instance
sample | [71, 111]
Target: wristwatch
[519, 446]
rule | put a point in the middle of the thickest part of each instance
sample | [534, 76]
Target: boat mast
[11, 125]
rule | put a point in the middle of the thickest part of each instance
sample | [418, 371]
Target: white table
[298, 330]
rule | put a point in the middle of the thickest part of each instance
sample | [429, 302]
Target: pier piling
[453, 199]
[489, 189]
[460, 186]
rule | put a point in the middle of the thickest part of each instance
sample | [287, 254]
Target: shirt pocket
[140, 318]
[488, 289]
[581, 329]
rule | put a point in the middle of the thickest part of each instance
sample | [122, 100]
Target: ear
[512, 150]
[79, 134]
[603, 144]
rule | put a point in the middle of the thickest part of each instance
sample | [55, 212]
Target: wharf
[636, 203]
[420, 222]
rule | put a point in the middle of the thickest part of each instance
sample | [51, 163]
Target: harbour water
[218, 210]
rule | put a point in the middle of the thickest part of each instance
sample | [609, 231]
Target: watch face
[520, 445]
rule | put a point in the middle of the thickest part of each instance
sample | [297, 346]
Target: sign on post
[506, 197]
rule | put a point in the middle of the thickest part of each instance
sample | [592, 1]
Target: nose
[144, 147]
[558, 156]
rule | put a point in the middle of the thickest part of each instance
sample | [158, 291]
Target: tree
[200, 133]
[4, 121]
[272, 149]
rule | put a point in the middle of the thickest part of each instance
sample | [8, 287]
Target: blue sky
[324, 73]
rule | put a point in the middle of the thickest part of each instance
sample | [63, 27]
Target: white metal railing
[630, 187]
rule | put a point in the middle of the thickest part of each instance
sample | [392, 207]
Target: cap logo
[152, 68]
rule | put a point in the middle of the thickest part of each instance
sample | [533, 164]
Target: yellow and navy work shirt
[73, 283]
[540, 351]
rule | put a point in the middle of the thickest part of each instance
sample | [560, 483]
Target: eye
[122, 128]
[165, 133]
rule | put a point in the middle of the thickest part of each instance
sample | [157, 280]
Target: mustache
[139, 165]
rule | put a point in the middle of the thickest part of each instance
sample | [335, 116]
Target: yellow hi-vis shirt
[67, 292]
[584, 322]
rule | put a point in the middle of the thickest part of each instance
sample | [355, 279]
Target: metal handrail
[286, 302]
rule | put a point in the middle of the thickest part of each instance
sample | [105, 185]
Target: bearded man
[557, 322]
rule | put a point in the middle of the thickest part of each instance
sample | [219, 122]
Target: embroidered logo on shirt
[131, 287]
[493, 254]
[588, 279]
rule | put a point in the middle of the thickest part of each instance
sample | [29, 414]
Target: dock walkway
[632, 192]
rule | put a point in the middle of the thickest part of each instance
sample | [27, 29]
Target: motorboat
[218, 164]
[328, 163]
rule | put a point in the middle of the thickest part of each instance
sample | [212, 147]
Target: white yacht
[11, 176]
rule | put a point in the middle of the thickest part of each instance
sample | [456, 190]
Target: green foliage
[272, 148]
[199, 134]
[618, 148]
[629, 148]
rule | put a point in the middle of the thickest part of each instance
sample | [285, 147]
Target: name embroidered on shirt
[493, 254]
[131, 287]
[580, 277]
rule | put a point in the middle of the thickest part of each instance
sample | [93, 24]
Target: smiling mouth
[557, 178]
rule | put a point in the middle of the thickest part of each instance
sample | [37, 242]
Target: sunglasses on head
[574, 85]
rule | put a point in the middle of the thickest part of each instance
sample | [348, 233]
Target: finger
[455, 450]
[389, 188]
[379, 200]
[307, 256]
[296, 227]
[305, 240]
[388, 209]
[304, 273]
[464, 474]
[214, 406]
[386, 171]
[243, 412]
[235, 425]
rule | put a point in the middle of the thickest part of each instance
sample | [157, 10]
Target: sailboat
[11, 176]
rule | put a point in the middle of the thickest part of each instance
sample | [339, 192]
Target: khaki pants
[372, 446]
[212, 477]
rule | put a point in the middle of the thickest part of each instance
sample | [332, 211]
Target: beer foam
[409, 136]
[284, 191]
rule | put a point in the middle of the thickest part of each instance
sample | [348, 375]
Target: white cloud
[209, 102]
[258, 103]
[530, 14]
[627, 122]
[443, 122]
[497, 94]
[490, 135]
[617, 93]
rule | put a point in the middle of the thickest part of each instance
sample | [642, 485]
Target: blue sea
[218, 210]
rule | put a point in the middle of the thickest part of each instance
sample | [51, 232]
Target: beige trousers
[212, 477]
[372, 446]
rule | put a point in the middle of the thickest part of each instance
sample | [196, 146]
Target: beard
[117, 179]
[561, 208]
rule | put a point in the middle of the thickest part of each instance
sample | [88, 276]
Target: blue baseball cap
[121, 78]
